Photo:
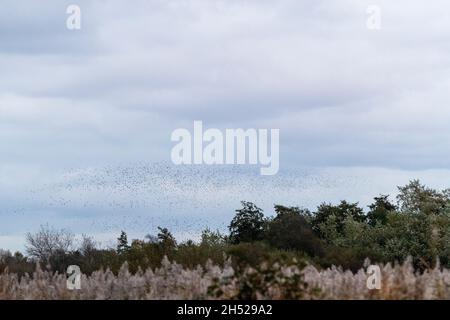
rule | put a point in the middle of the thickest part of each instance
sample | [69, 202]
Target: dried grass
[172, 281]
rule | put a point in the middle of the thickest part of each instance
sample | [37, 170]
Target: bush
[248, 224]
[254, 254]
[289, 230]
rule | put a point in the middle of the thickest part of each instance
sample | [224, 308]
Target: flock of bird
[185, 199]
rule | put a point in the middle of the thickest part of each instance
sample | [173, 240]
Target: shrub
[289, 230]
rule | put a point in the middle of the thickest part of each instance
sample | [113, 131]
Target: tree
[212, 238]
[378, 211]
[122, 243]
[166, 240]
[48, 242]
[290, 230]
[338, 214]
[415, 198]
[88, 246]
[424, 237]
[248, 224]
[88, 253]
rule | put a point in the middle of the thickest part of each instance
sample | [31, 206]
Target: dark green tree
[166, 240]
[290, 230]
[338, 213]
[122, 243]
[379, 210]
[248, 224]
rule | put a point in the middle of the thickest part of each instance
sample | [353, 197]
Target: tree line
[416, 224]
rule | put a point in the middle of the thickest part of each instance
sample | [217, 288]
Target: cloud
[109, 95]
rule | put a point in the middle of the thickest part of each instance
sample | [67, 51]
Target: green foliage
[422, 236]
[212, 238]
[248, 224]
[330, 219]
[122, 243]
[212, 247]
[290, 230]
[341, 235]
[416, 198]
[379, 210]
[167, 242]
[256, 253]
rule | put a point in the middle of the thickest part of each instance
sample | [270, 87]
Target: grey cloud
[111, 93]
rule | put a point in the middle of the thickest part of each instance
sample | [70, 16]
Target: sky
[86, 115]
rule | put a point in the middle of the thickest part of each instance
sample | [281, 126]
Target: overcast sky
[86, 115]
